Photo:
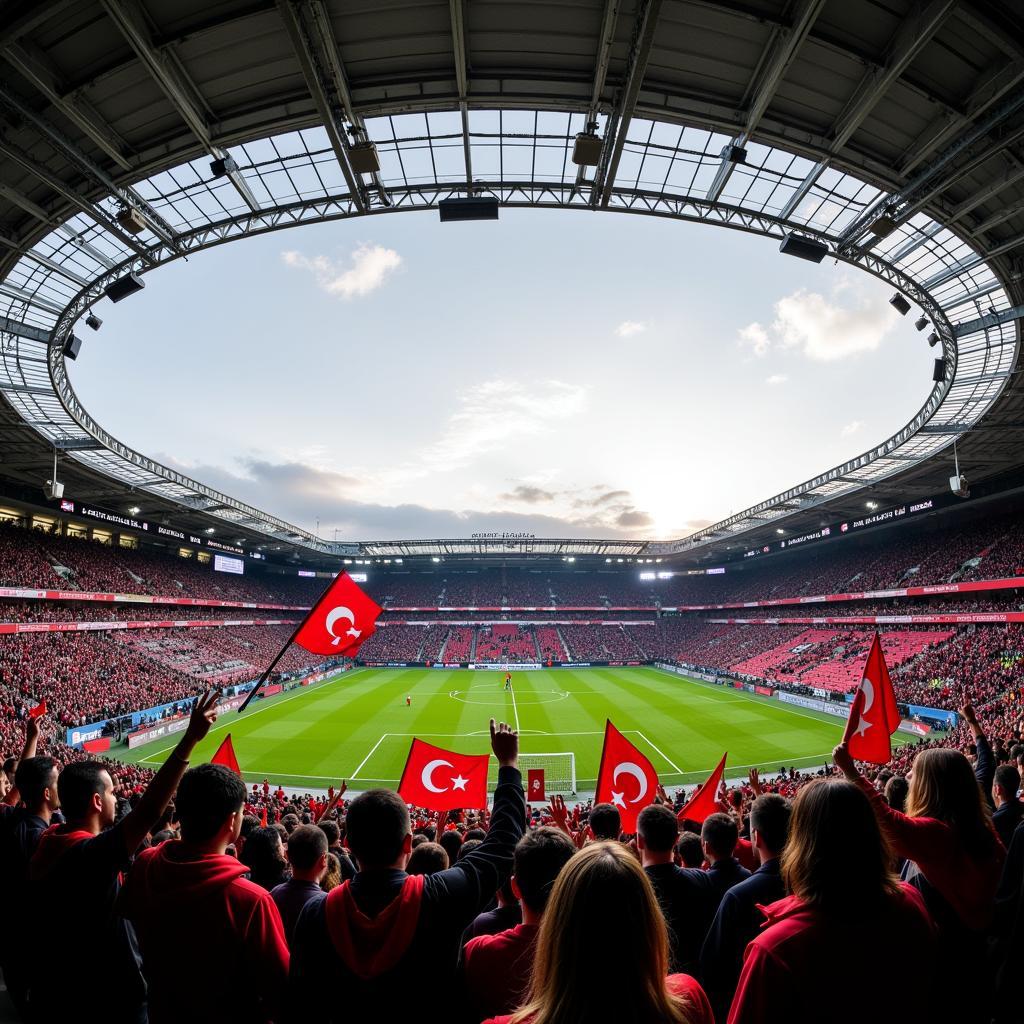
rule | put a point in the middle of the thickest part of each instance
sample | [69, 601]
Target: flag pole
[280, 654]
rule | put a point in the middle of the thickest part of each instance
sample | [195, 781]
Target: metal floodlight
[900, 304]
[921, 322]
[933, 339]
[803, 248]
[124, 286]
[222, 166]
[882, 226]
[93, 321]
[470, 208]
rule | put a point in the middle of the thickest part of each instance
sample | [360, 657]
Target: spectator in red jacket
[212, 942]
[844, 900]
[497, 967]
[602, 950]
[956, 859]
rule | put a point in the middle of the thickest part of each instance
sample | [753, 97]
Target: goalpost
[559, 771]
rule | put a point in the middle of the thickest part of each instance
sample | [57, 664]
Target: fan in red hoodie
[386, 934]
[212, 942]
[845, 900]
[78, 865]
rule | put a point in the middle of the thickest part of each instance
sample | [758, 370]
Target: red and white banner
[949, 619]
[91, 627]
[30, 594]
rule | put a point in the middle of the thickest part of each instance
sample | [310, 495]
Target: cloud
[755, 337]
[633, 519]
[630, 327]
[851, 428]
[492, 414]
[530, 495]
[369, 266]
[302, 494]
[776, 378]
[821, 327]
[601, 499]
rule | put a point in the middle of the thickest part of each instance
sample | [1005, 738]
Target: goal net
[559, 771]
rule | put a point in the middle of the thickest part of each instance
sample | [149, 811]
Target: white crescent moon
[637, 772]
[868, 690]
[334, 615]
[429, 770]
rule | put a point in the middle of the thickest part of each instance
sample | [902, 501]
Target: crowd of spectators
[512, 912]
[505, 643]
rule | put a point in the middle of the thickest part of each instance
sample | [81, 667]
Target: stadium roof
[829, 118]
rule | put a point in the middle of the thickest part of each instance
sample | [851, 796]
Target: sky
[561, 373]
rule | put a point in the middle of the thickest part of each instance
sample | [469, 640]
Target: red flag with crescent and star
[442, 780]
[626, 778]
[704, 802]
[874, 715]
[343, 619]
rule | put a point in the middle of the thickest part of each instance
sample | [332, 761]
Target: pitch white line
[361, 763]
[660, 751]
[264, 706]
[515, 710]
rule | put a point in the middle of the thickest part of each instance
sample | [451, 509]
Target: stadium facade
[134, 140]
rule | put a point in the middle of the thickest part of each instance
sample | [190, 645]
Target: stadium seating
[505, 643]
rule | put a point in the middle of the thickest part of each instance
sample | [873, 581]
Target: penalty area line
[369, 755]
[665, 756]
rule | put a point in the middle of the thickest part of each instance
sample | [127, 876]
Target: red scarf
[372, 946]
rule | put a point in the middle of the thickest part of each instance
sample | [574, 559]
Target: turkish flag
[340, 621]
[704, 802]
[874, 715]
[535, 785]
[626, 777]
[226, 756]
[441, 780]
[38, 711]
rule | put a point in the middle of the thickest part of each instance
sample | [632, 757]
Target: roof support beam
[989, 320]
[914, 32]
[27, 331]
[75, 198]
[618, 124]
[457, 10]
[993, 188]
[33, 65]
[336, 69]
[783, 47]
[603, 58]
[896, 204]
[906, 44]
[126, 195]
[315, 78]
[174, 85]
[42, 260]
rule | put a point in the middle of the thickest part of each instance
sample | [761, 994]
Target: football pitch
[357, 726]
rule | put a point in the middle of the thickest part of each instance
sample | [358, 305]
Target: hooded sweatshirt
[76, 875]
[212, 942]
[806, 967]
[385, 933]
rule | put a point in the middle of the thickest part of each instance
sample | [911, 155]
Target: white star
[862, 726]
[618, 800]
[459, 783]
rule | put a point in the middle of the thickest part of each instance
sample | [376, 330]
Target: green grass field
[357, 726]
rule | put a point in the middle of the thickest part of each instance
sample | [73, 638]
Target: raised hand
[505, 744]
[844, 762]
[560, 813]
[204, 714]
[663, 796]
[754, 778]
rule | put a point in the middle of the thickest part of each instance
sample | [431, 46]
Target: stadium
[200, 764]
